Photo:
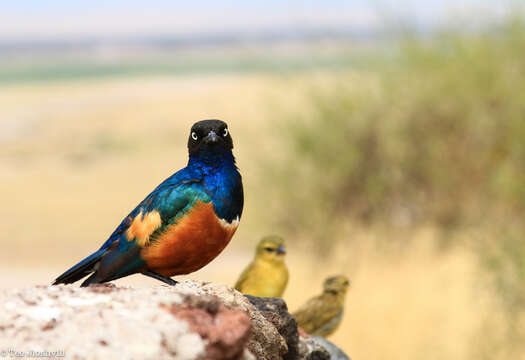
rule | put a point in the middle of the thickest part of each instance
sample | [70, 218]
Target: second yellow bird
[322, 314]
[267, 275]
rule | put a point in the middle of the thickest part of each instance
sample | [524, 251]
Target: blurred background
[384, 139]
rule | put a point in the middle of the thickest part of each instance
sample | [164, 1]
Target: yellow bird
[322, 314]
[267, 275]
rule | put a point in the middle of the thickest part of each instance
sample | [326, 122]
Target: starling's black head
[210, 136]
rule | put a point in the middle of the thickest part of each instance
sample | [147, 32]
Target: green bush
[436, 136]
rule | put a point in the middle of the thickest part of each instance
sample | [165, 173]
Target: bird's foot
[164, 279]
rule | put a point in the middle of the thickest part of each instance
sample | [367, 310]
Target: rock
[98, 322]
[318, 348]
[190, 321]
[276, 311]
[334, 351]
[265, 343]
[309, 349]
[225, 331]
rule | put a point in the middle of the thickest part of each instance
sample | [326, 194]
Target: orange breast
[186, 246]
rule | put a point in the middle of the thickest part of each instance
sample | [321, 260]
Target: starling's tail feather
[80, 270]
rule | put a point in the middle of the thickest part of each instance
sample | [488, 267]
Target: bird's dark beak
[281, 250]
[211, 138]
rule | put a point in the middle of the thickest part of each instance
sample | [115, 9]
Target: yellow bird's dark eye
[269, 249]
[225, 132]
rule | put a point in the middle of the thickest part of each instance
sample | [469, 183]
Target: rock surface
[193, 320]
[334, 352]
[276, 311]
[318, 348]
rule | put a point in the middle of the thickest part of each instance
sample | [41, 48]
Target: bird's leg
[160, 277]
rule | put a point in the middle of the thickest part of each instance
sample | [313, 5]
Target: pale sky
[33, 19]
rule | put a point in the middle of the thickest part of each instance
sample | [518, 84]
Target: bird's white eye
[194, 135]
[225, 132]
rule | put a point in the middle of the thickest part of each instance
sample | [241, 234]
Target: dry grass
[75, 157]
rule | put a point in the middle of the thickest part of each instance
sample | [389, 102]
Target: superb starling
[182, 225]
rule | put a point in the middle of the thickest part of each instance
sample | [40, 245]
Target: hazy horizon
[27, 20]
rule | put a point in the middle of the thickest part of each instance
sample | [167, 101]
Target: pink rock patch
[226, 331]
